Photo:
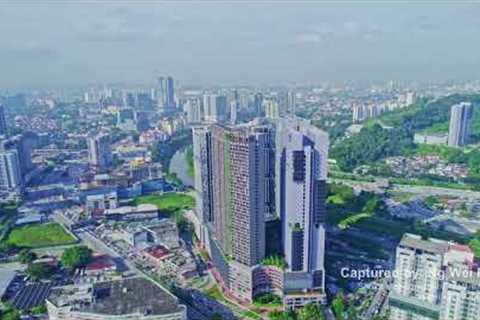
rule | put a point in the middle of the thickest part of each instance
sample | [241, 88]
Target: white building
[460, 122]
[99, 151]
[10, 173]
[302, 153]
[434, 279]
[98, 203]
[214, 108]
[272, 109]
[193, 108]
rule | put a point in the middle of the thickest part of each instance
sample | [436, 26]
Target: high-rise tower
[99, 152]
[460, 122]
[3, 121]
[302, 153]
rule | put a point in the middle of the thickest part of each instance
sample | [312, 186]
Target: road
[377, 302]
[423, 190]
[437, 191]
[100, 246]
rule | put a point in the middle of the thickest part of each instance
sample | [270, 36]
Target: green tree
[216, 316]
[282, 315]
[338, 306]
[311, 311]
[39, 271]
[26, 256]
[75, 257]
[10, 314]
[41, 309]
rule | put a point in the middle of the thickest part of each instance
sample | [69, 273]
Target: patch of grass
[274, 260]
[267, 300]
[351, 220]
[475, 246]
[40, 235]
[215, 293]
[335, 199]
[169, 202]
[402, 197]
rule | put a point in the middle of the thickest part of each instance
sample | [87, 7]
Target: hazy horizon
[54, 44]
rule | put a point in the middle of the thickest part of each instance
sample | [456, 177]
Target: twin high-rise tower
[249, 175]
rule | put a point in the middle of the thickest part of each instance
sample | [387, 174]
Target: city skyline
[255, 43]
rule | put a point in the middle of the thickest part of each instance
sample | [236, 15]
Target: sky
[62, 43]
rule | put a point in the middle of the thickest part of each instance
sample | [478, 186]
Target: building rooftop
[141, 208]
[430, 245]
[119, 297]
[157, 251]
[101, 262]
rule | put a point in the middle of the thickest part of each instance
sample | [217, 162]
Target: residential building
[291, 102]
[460, 124]
[193, 109]
[99, 152]
[410, 98]
[214, 108]
[434, 280]
[126, 119]
[10, 170]
[203, 175]
[272, 108]
[166, 95]
[302, 153]
[241, 182]
[3, 121]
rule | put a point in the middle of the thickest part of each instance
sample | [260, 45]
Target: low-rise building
[98, 203]
[129, 213]
[132, 299]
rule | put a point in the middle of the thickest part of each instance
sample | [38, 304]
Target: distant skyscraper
[166, 94]
[129, 100]
[99, 152]
[302, 153]
[460, 122]
[10, 171]
[234, 106]
[144, 101]
[258, 105]
[358, 113]
[24, 144]
[3, 121]
[272, 108]
[214, 108]
[141, 121]
[410, 98]
[170, 93]
[291, 102]
[193, 109]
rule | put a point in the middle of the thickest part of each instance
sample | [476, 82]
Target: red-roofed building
[458, 253]
[157, 254]
[101, 264]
